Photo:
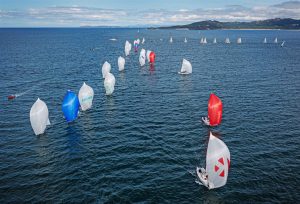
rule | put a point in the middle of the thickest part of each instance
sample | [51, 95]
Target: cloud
[78, 16]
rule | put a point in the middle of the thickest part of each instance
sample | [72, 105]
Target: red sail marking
[221, 160]
[222, 174]
[228, 161]
[216, 168]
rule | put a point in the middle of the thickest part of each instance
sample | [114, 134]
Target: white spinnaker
[127, 48]
[86, 96]
[121, 63]
[39, 117]
[109, 83]
[217, 162]
[106, 67]
[186, 67]
[148, 55]
[142, 57]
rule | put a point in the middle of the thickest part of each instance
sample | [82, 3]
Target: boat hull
[201, 177]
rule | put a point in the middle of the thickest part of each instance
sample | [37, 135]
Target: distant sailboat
[201, 41]
[227, 41]
[171, 39]
[215, 40]
[185, 40]
[204, 41]
[217, 167]
[143, 41]
[282, 44]
[239, 41]
[275, 40]
[214, 109]
[186, 67]
[265, 40]
[142, 57]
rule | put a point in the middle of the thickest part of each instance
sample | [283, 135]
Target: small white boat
[239, 41]
[185, 40]
[204, 41]
[171, 39]
[215, 40]
[217, 164]
[265, 40]
[275, 40]
[186, 67]
[227, 41]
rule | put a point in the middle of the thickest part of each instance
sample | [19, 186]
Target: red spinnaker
[152, 57]
[215, 109]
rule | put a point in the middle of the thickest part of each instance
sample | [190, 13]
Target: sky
[74, 13]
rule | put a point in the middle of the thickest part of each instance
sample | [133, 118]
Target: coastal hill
[277, 23]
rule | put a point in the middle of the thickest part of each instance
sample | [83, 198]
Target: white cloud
[76, 15]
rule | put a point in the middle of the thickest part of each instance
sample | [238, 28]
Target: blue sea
[143, 143]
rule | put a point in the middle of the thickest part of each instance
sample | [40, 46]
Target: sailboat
[282, 44]
[201, 41]
[216, 171]
[186, 67]
[239, 41]
[215, 109]
[204, 41]
[143, 41]
[185, 40]
[227, 41]
[275, 40]
[171, 39]
[215, 40]
[265, 40]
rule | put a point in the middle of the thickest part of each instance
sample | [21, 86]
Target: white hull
[183, 73]
[205, 121]
[201, 177]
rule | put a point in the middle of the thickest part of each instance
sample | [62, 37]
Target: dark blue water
[142, 144]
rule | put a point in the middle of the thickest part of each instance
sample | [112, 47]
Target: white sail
[265, 40]
[186, 67]
[138, 41]
[121, 63]
[143, 41]
[171, 39]
[105, 69]
[39, 117]
[215, 40]
[185, 40]
[204, 41]
[282, 44]
[148, 55]
[217, 162]
[239, 41]
[275, 40]
[201, 41]
[109, 83]
[142, 57]
[227, 41]
[86, 96]
[127, 48]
